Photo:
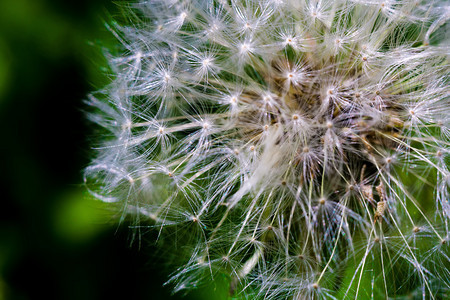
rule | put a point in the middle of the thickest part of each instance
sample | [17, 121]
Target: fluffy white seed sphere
[302, 145]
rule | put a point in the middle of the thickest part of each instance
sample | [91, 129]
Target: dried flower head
[301, 145]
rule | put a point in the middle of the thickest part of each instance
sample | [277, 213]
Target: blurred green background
[55, 241]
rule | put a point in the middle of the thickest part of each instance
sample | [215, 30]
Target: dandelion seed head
[296, 135]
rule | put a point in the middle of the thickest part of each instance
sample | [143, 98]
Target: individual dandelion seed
[293, 146]
[381, 205]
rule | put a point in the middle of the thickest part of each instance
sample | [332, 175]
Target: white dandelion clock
[303, 146]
